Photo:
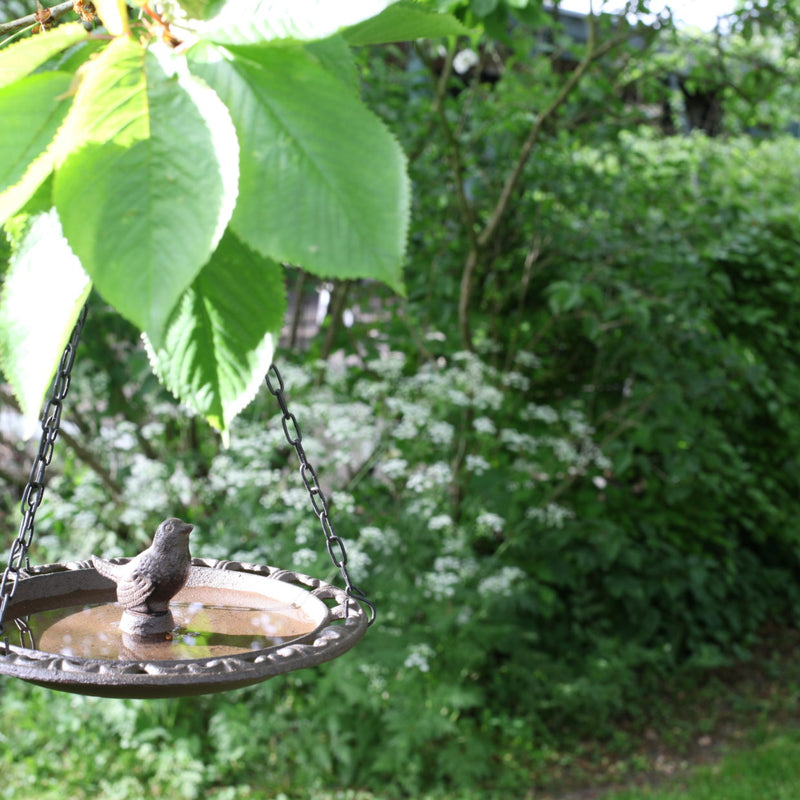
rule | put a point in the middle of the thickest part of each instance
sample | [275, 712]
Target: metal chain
[34, 490]
[334, 545]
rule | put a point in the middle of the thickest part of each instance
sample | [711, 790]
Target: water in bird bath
[206, 627]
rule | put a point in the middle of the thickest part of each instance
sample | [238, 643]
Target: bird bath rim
[51, 586]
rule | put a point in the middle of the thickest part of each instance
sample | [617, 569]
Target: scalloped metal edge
[346, 625]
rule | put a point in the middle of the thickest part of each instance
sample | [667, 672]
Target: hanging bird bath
[267, 621]
[231, 625]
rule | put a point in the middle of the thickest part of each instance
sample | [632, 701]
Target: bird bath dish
[232, 625]
[207, 623]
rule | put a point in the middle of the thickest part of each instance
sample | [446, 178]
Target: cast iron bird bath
[222, 625]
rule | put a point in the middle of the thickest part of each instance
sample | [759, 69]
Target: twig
[91, 461]
[456, 161]
[56, 11]
[594, 53]
[630, 420]
[482, 240]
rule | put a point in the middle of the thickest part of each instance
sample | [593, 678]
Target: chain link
[34, 489]
[334, 545]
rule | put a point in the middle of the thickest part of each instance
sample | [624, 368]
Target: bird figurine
[147, 583]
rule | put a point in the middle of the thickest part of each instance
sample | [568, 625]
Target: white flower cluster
[440, 522]
[374, 674]
[459, 398]
[525, 359]
[519, 442]
[383, 542]
[121, 436]
[449, 571]
[501, 583]
[564, 451]
[576, 421]
[412, 417]
[296, 498]
[145, 490]
[350, 423]
[229, 474]
[484, 425]
[304, 558]
[490, 520]
[419, 657]
[546, 414]
[477, 464]
[466, 384]
[357, 558]
[440, 433]
[342, 502]
[296, 378]
[432, 476]
[307, 530]
[389, 366]
[516, 380]
[552, 515]
[394, 468]
[180, 485]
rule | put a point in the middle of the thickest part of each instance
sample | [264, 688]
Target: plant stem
[89, 458]
[338, 300]
[297, 289]
[31, 19]
[483, 239]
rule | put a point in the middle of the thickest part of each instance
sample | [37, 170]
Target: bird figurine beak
[187, 529]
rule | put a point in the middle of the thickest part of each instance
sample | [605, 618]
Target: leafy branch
[480, 241]
[103, 152]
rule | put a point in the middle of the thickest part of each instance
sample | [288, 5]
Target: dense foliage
[587, 489]
[101, 187]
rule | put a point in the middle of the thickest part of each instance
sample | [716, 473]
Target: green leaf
[43, 294]
[20, 59]
[563, 296]
[323, 183]
[301, 20]
[482, 8]
[32, 110]
[149, 180]
[114, 15]
[221, 337]
[404, 22]
[335, 55]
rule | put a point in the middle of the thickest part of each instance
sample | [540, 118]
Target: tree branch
[483, 239]
[91, 461]
[56, 11]
[510, 185]
[456, 161]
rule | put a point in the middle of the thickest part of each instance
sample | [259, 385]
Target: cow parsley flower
[552, 515]
[439, 522]
[484, 425]
[490, 520]
[501, 583]
[477, 464]
[419, 657]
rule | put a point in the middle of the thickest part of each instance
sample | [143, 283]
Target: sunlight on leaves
[220, 340]
[235, 22]
[35, 324]
[323, 182]
[21, 58]
[114, 14]
[32, 111]
[149, 181]
[404, 22]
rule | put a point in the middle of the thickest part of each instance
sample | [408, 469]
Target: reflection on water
[202, 631]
